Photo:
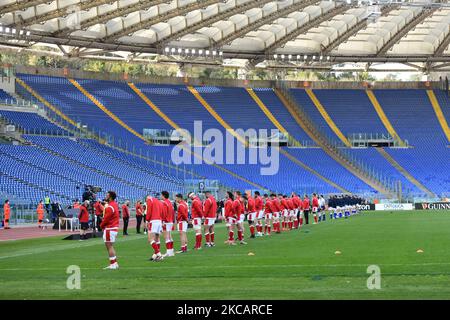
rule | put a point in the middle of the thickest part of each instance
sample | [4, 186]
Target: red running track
[32, 232]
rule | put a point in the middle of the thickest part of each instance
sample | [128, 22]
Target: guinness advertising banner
[433, 206]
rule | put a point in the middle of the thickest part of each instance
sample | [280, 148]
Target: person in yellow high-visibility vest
[40, 213]
[6, 214]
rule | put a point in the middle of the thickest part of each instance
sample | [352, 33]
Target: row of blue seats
[31, 123]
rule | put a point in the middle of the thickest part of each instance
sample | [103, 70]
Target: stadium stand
[30, 122]
[120, 112]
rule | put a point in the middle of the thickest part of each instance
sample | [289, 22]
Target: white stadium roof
[247, 29]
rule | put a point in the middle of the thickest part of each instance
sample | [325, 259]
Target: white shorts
[231, 221]
[314, 209]
[110, 234]
[168, 226]
[261, 215]
[155, 226]
[241, 218]
[252, 216]
[197, 223]
[182, 226]
[285, 213]
[268, 216]
[292, 213]
[210, 221]
[276, 215]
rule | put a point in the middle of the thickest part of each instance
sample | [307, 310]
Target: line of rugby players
[265, 214]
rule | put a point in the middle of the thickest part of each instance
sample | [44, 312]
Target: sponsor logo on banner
[393, 206]
[365, 207]
[433, 206]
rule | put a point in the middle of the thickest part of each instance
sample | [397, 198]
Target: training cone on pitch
[251, 254]
[419, 251]
[337, 252]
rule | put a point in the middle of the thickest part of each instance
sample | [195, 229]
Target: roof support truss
[215, 18]
[102, 18]
[426, 12]
[311, 24]
[268, 19]
[160, 18]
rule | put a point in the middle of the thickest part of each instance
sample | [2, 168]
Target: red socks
[315, 218]
[155, 247]
[212, 237]
[169, 245]
[198, 240]
[301, 222]
[252, 230]
[240, 236]
[207, 237]
[231, 235]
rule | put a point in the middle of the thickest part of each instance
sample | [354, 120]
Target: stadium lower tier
[121, 113]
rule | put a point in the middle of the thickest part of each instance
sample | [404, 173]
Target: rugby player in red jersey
[110, 227]
[154, 222]
[182, 221]
[284, 212]
[230, 217]
[315, 207]
[168, 219]
[259, 208]
[251, 213]
[196, 216]
[276, 214]
[305, 205]
[239, 209]
[210, 211]
[297, 208]
[268, 210]
[290, 205]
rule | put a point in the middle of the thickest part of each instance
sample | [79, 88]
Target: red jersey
[276, 205]
[111, 218]
[251, 205]
[83, 216]
[182, 211]
[290, 204]
[284, 204]
[229, 213]
[169, 212]
[154, 209]
[237, 208]
[196, 208]
[269, 207]
[297, 202]
[306, 204]
[139, 210]
[125, 211]
[315, 202]
[258, 204]
[210, 207]
[98, 208]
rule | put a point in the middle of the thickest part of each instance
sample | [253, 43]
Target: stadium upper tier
[121, 112]
[234, 28]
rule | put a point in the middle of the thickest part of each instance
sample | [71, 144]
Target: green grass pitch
[293, 265]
